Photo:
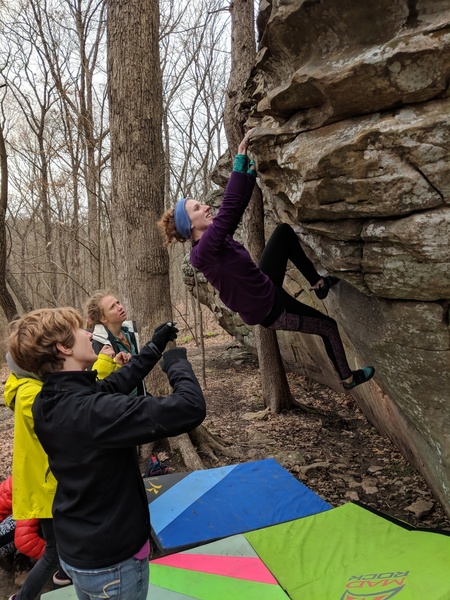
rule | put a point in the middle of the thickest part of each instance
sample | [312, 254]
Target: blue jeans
[127, 580]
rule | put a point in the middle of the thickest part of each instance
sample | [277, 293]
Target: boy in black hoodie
[90, 430]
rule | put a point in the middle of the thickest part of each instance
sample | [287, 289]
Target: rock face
[352, 147]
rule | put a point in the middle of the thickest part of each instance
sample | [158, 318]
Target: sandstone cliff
[352, 146]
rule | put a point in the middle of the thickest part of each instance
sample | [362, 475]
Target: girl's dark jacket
[90, 430]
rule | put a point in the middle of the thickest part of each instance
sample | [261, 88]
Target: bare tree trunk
[185, 447]
[86, 124]
[84, 110]
[75, 226]
[200, 337]
[6, 300]
[18, 291]
[44, 197]
[274, 384]
[135, 100]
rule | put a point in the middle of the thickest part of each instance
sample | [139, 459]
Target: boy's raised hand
[163, 334]
[172, 356]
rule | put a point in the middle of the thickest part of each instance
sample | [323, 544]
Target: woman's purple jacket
[226, 264]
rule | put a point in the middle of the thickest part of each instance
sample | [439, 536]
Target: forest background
[110, 112]
[63, 233]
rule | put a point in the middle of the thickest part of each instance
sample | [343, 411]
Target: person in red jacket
[20, 541]
[23, 536]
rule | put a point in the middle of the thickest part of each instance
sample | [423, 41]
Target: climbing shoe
[328, 282]
[359, 376]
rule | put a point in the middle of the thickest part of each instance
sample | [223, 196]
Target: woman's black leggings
[289, 314]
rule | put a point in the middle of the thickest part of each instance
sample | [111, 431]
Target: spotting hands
[121, 358]
[108, 350]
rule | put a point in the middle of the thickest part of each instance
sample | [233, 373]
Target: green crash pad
[346, 553]
[353, 553]
[65, 593]
[224, 570]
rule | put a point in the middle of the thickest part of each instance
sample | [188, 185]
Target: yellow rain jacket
[34, 485]
[104, 365]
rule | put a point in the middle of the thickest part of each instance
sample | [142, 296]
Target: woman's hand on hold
[243, 146]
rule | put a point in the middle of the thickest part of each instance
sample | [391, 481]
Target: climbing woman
[256, 293]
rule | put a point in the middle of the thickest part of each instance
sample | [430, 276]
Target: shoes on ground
[61, 578]
[328, 282]
[359, 376]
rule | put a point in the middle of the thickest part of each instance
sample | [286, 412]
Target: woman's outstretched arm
[235, 200]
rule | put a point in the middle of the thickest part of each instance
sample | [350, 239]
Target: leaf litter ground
[334, 450]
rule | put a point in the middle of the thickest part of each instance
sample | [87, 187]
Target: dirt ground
[335, 451]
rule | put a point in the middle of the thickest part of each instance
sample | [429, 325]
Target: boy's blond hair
[33, 338]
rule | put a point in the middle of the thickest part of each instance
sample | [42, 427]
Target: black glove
[172, 356]
[163, 334]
